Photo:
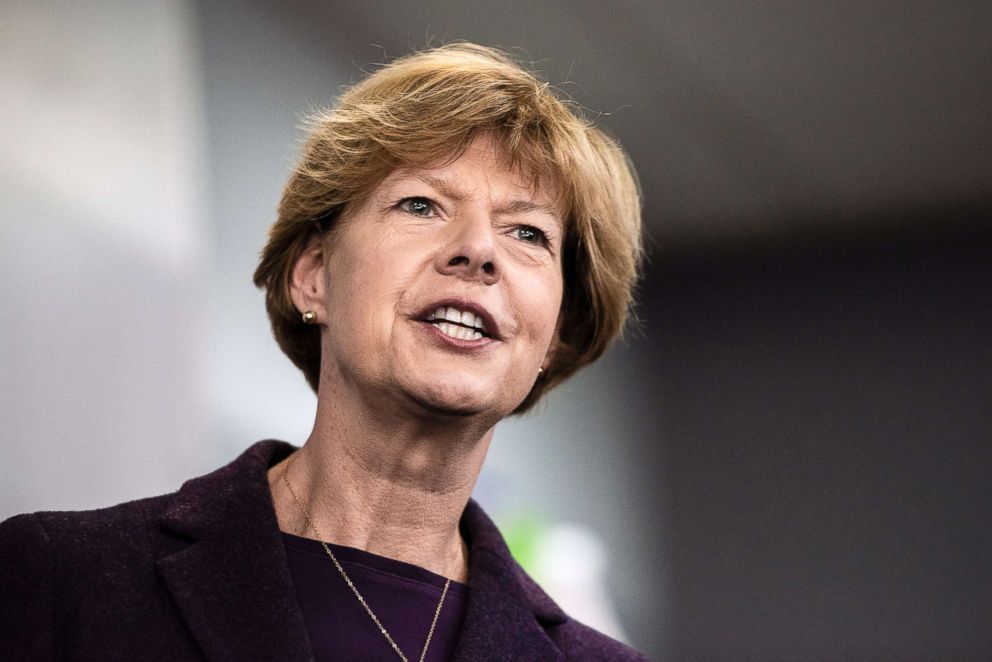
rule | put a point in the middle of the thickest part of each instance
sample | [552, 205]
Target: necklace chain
[351, 585]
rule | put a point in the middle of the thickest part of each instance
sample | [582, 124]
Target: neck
[395, 488]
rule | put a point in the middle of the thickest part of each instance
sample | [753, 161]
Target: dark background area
[823, 438]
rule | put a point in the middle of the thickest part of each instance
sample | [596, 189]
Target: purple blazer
[202, 574]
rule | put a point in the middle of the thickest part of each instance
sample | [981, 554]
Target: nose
[469, 249]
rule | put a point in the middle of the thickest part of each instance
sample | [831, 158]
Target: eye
[418, 206]
[530, 235]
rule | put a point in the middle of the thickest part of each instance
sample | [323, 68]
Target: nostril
[455, 261]
[489, 268]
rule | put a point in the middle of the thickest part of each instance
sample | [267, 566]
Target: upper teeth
[465, 318]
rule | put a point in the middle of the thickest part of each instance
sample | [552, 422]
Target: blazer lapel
[507, 612]
[225, 565]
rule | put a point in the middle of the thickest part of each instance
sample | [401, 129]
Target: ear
[306, 287]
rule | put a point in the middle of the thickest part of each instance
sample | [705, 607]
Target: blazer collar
[507, 612]
[231, 581]
[226, 568]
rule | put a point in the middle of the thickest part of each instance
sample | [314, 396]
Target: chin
[460, 399]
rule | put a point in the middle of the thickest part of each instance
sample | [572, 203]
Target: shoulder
[49, 560]
[110, 538]
[69, 549]
[128, 525]
[575, 639]
[122, 525]
[581, 642]
[26, 570]
[87, 578]
[31, 544]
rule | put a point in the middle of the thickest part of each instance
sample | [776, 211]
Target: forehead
[484, 163]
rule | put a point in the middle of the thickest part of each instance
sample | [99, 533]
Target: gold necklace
[351, 585]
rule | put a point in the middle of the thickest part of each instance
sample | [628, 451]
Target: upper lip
[492, 328]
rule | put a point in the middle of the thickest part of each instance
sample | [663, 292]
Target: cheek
[350, 285]
[366, 286]
[545, 309]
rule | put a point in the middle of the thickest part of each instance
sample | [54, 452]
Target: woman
[454, 243]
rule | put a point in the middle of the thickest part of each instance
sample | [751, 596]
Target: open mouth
[459, 324]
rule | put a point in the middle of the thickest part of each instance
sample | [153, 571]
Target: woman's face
[443, 289]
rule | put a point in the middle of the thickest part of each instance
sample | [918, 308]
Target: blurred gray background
[790, 460]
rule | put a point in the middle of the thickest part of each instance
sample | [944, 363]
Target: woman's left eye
[422, 207]
[530, 234]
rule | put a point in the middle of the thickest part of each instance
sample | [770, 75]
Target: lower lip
[456, 342]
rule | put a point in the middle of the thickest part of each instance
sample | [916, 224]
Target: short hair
[428, 107]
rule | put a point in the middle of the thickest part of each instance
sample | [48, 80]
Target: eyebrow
[440, 185]
[526, 207]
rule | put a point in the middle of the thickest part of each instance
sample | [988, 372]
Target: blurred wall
[823, 417]
[102, 234]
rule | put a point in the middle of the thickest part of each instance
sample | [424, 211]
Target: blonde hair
[427, 107]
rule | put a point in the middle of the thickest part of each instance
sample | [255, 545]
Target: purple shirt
[403, 597]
